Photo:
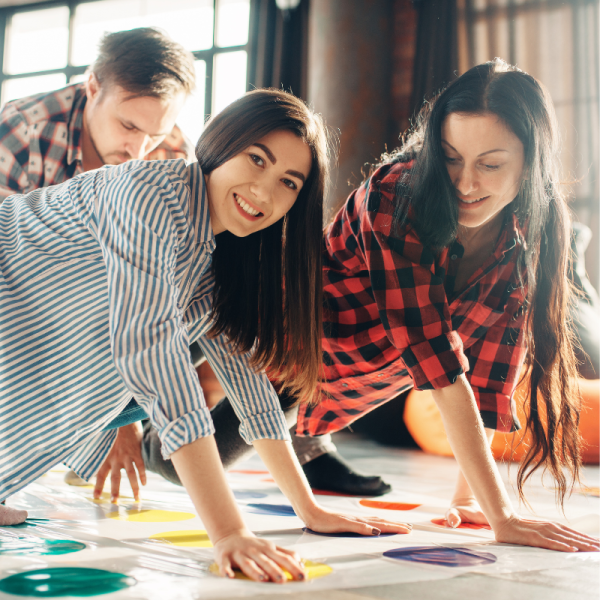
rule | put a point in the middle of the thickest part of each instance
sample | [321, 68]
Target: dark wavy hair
[269, 284]
[524, 106]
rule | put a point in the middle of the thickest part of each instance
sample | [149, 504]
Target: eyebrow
[134, 126]
[272, 158]
[482, 154]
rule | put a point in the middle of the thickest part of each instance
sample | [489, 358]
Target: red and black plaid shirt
[40, 141]
[393, 321]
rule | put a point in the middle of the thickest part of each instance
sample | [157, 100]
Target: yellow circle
[144, 515]
[313, 570]
[192, 538]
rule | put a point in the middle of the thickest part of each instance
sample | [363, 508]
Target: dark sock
[330, 472]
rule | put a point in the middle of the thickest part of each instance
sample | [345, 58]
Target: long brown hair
[524, 105]
[268, 286]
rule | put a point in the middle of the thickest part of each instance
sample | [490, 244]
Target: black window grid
[71, 70]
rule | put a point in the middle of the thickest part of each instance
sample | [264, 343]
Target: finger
[251, 569]
[115, 483]
[453, 518]
[356, 525]
[225, 568]
[577, 542]
[141, 469]
[270, 565]
[132, 476]
[388, 526]
[100, 479]
[552, 544]
[291, 562]
[583, 536]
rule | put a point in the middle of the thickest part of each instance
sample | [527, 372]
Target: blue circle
[442, 556]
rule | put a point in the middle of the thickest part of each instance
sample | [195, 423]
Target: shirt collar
[75, 125]
[200, 211]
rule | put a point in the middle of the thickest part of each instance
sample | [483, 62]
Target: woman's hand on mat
[258, 559]
[544, 534]
[465, 510]
[325, 521]
[126, 452]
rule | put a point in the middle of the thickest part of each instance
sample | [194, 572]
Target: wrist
[224, 536]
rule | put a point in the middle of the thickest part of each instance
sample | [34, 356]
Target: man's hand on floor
[126, 452]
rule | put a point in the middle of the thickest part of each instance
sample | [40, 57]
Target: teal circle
[33, 547]
[65, 581]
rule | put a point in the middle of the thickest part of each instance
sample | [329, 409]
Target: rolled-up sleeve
[141, 226]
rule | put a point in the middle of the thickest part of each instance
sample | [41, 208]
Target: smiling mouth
[251, 212]
[474, 201]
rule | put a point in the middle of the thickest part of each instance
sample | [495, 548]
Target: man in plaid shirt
[393, 321]
[125, 110]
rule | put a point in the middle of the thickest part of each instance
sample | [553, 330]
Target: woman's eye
[492, 167]
[449, 159]
[289, 183]
[129, 128]
[257, 160]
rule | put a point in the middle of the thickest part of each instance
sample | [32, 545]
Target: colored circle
[141, 515]
[65, 581]
[347, 534]
[388, 505]
[37, 547]
[280, 510]
[193, 538]
[313, 571]
[444, 523]
[441, 556]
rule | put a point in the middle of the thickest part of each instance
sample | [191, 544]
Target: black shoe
[330, 472]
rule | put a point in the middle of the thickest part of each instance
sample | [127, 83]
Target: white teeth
[246, 207]
[473, 201]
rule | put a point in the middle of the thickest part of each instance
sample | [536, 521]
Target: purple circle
[441, 556]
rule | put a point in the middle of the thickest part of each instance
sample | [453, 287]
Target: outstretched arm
[200, 470]
[467, 438]
[280, 459]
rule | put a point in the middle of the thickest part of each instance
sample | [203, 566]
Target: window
[48, 45]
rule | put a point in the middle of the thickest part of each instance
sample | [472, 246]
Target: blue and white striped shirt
[105, 280]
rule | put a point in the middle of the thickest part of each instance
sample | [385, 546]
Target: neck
[90, 157]
[482, 239]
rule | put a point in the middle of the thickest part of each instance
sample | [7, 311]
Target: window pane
[37, 40]
[233, 18]
[189, 22]
[28, 86]
[78, 78]
[191, 118]
[229, 82]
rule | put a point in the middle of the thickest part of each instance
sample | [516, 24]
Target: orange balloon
[424, 422]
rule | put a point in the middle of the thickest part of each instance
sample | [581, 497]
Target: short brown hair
[144, 62]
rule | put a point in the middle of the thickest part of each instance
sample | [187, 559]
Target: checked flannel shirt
[40, 141]
[392, 320]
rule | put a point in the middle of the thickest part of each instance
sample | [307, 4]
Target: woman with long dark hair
[447, 271]
[122, 267]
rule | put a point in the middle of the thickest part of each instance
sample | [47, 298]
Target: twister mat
[73, 546]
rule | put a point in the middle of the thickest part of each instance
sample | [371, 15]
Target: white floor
[116, 541]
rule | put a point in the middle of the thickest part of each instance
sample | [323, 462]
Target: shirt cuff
[270, 425]
[185, 430]
[436, 363]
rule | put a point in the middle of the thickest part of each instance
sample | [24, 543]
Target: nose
[263, 190]
[465, 181]
[137, 145]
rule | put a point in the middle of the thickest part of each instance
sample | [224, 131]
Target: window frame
[208, 56]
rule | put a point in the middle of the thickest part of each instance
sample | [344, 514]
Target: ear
[92, 87]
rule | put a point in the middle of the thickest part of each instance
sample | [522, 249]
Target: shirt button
[344, 384]
[454, 257]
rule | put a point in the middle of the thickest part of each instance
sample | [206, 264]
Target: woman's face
[258, 186]
[485, 161]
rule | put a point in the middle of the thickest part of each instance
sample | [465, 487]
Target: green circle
[65, 581]
[33, 547]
